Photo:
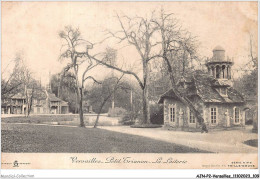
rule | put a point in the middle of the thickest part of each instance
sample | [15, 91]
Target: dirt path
[218, 141]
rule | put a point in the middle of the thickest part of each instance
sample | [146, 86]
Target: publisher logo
[16, 164]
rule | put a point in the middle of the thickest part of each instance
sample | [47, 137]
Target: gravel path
[217, 141]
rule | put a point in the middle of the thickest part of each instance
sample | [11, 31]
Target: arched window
[213, 71]
[228, 76]
[223, 71]
[218, 72]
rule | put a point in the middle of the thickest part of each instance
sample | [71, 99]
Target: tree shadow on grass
[56, 139]
[253, 142]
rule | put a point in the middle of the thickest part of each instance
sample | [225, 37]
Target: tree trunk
[146, 107]
[96, 122]
[30, 103]
[100, 109]
[29, 106]
[81, 118]
[27, 112]
[113, 101]
[102, 105]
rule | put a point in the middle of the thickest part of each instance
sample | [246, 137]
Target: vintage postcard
[129, 85]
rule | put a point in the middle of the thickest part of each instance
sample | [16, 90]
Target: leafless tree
[252, 62]
[20, 80]
[13, 82]
[29, 84]
[174, 39]
[72, 51]
[137, 32]
[29, 93]
[253, 57]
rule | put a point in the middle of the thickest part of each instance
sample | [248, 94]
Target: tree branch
[118, 69]
[91, 77]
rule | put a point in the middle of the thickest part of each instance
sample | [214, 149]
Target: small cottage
[212, 95]
[43, 103]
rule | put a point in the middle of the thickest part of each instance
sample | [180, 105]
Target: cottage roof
[64, 103]
[52, 97]
[18, 96]
[40, 94]
[219, 83]
[37, 94]
[205, 86]
[218, 48]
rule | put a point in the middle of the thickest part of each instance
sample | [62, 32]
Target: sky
[31, 29]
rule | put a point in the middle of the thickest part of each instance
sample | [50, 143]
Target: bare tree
[138, 33]
[13, 82]
[252, 62]
[174, 39]
[254, 58]
[20, 80]
[71, 51]
[30, 86]
[29, 93]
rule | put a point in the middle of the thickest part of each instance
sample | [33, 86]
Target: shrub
[249, 122]
[145, 126]
[128, 118]
[117, 111]
[156, 114]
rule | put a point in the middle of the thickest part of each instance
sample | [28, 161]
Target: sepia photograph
[166, 85]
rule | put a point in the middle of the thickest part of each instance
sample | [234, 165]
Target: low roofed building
[211, 94]
[43, 102]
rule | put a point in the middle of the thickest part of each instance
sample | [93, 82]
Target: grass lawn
[39, 118]
[57, 139]
[68, 119]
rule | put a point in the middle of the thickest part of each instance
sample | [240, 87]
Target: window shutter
[169, 113]
[234, 111]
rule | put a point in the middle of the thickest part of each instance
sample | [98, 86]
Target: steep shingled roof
[52, 97]
[37, 94]
[64, 103]
[204, 86]
[18, 96]
[40, 94]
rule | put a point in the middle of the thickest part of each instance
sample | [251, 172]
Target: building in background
[14, 104]
[87, 107]
[43, 102]
[56, 105]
